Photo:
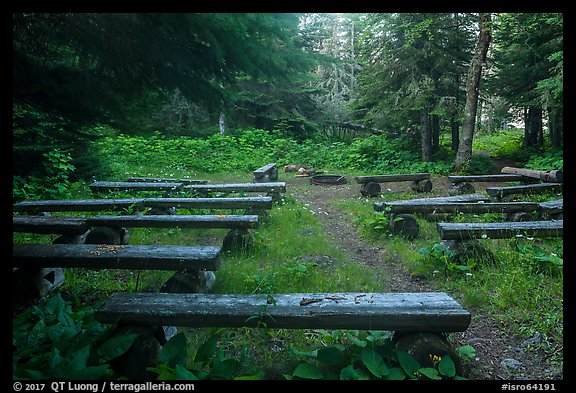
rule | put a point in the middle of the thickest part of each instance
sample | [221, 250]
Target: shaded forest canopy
[79, 77]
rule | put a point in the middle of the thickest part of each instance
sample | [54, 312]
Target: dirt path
[499, 356]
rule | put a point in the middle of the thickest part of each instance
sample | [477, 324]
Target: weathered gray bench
[462, 184]
[500, 230]
[420, 182]
[272, 189]
[165, 180]
[111, 230]
[256, 204]
[499, 193]
[418, 320]
[405, 224]
[409, 312]
[266, 173]
[37, 268]
[105, 186]
[101, 256]
[551, 176]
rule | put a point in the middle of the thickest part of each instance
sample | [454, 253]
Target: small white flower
[484, 236]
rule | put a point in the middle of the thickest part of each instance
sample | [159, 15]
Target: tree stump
[421, 185]
[198, 281]
[463, 250]
[370, 189]
[144, 353]
[404, 225]
[519, 216]
[238, 239]
[423, 347]
[461, 188]
[104, 235]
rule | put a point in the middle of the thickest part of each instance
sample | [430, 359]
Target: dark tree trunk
[455, 127]
[533, 126]
[555, 126]
[472, 92]
[425, 134]
[435, 133]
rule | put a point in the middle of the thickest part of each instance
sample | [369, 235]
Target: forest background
[360, 81]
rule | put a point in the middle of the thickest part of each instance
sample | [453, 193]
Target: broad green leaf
[467, 350]
[226, 367]
[80, 359]
[396, 374]
[408, 363]
[174, 351]
[348, 373]
[254, 377]
[308, 371]
[329, 355]
[114, 347]
[429, 372]
[37, 335]
[89, 373]
[183, 374]
[206, 351]
[446, 366]
[374, 363]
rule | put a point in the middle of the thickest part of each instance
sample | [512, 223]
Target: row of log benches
[101, 242]
[89, 242]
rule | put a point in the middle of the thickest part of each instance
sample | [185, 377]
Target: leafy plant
[52, 340]
[352, 355]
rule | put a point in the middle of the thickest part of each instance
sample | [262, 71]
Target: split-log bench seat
[104, 186]
[402, 223]
[418, 320]
[500, 230]
[266, 173]
[420, 182]
[165, 180]
[92, 256]
[462, 184]
[272, 189]
[409, 312]
[108, 229]
[167, 205]
[499, 193]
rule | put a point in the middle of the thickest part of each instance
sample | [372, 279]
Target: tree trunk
[472, 91]
[533, 126]
[222, 124]
[435, 137]
[425, 136]
[555, 119]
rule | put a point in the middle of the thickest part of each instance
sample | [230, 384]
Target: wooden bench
[409, 312]
[418, 320]
[165, 180]
[266, 173]
[420, 182]
[402, 223]
[105, 186]
[272, 189]
[111, 230]
[462, 184]
[500, 230]
[552, 209]
[101, 256]
[499, 193]
[166, 205]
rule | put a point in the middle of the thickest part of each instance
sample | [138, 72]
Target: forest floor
[499, 354]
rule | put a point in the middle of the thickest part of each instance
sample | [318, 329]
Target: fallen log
[551, 176]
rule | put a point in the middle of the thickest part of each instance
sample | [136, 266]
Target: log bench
[37, 268]
[420, 182]
[272, 189]
[418, 320]
[266, 173]
[500, 230]
[500, 193]
[111, 230]
[105, 186]
[165, 180]
[253, 205]
[461, 239]
[405, 224]
[462, 184]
